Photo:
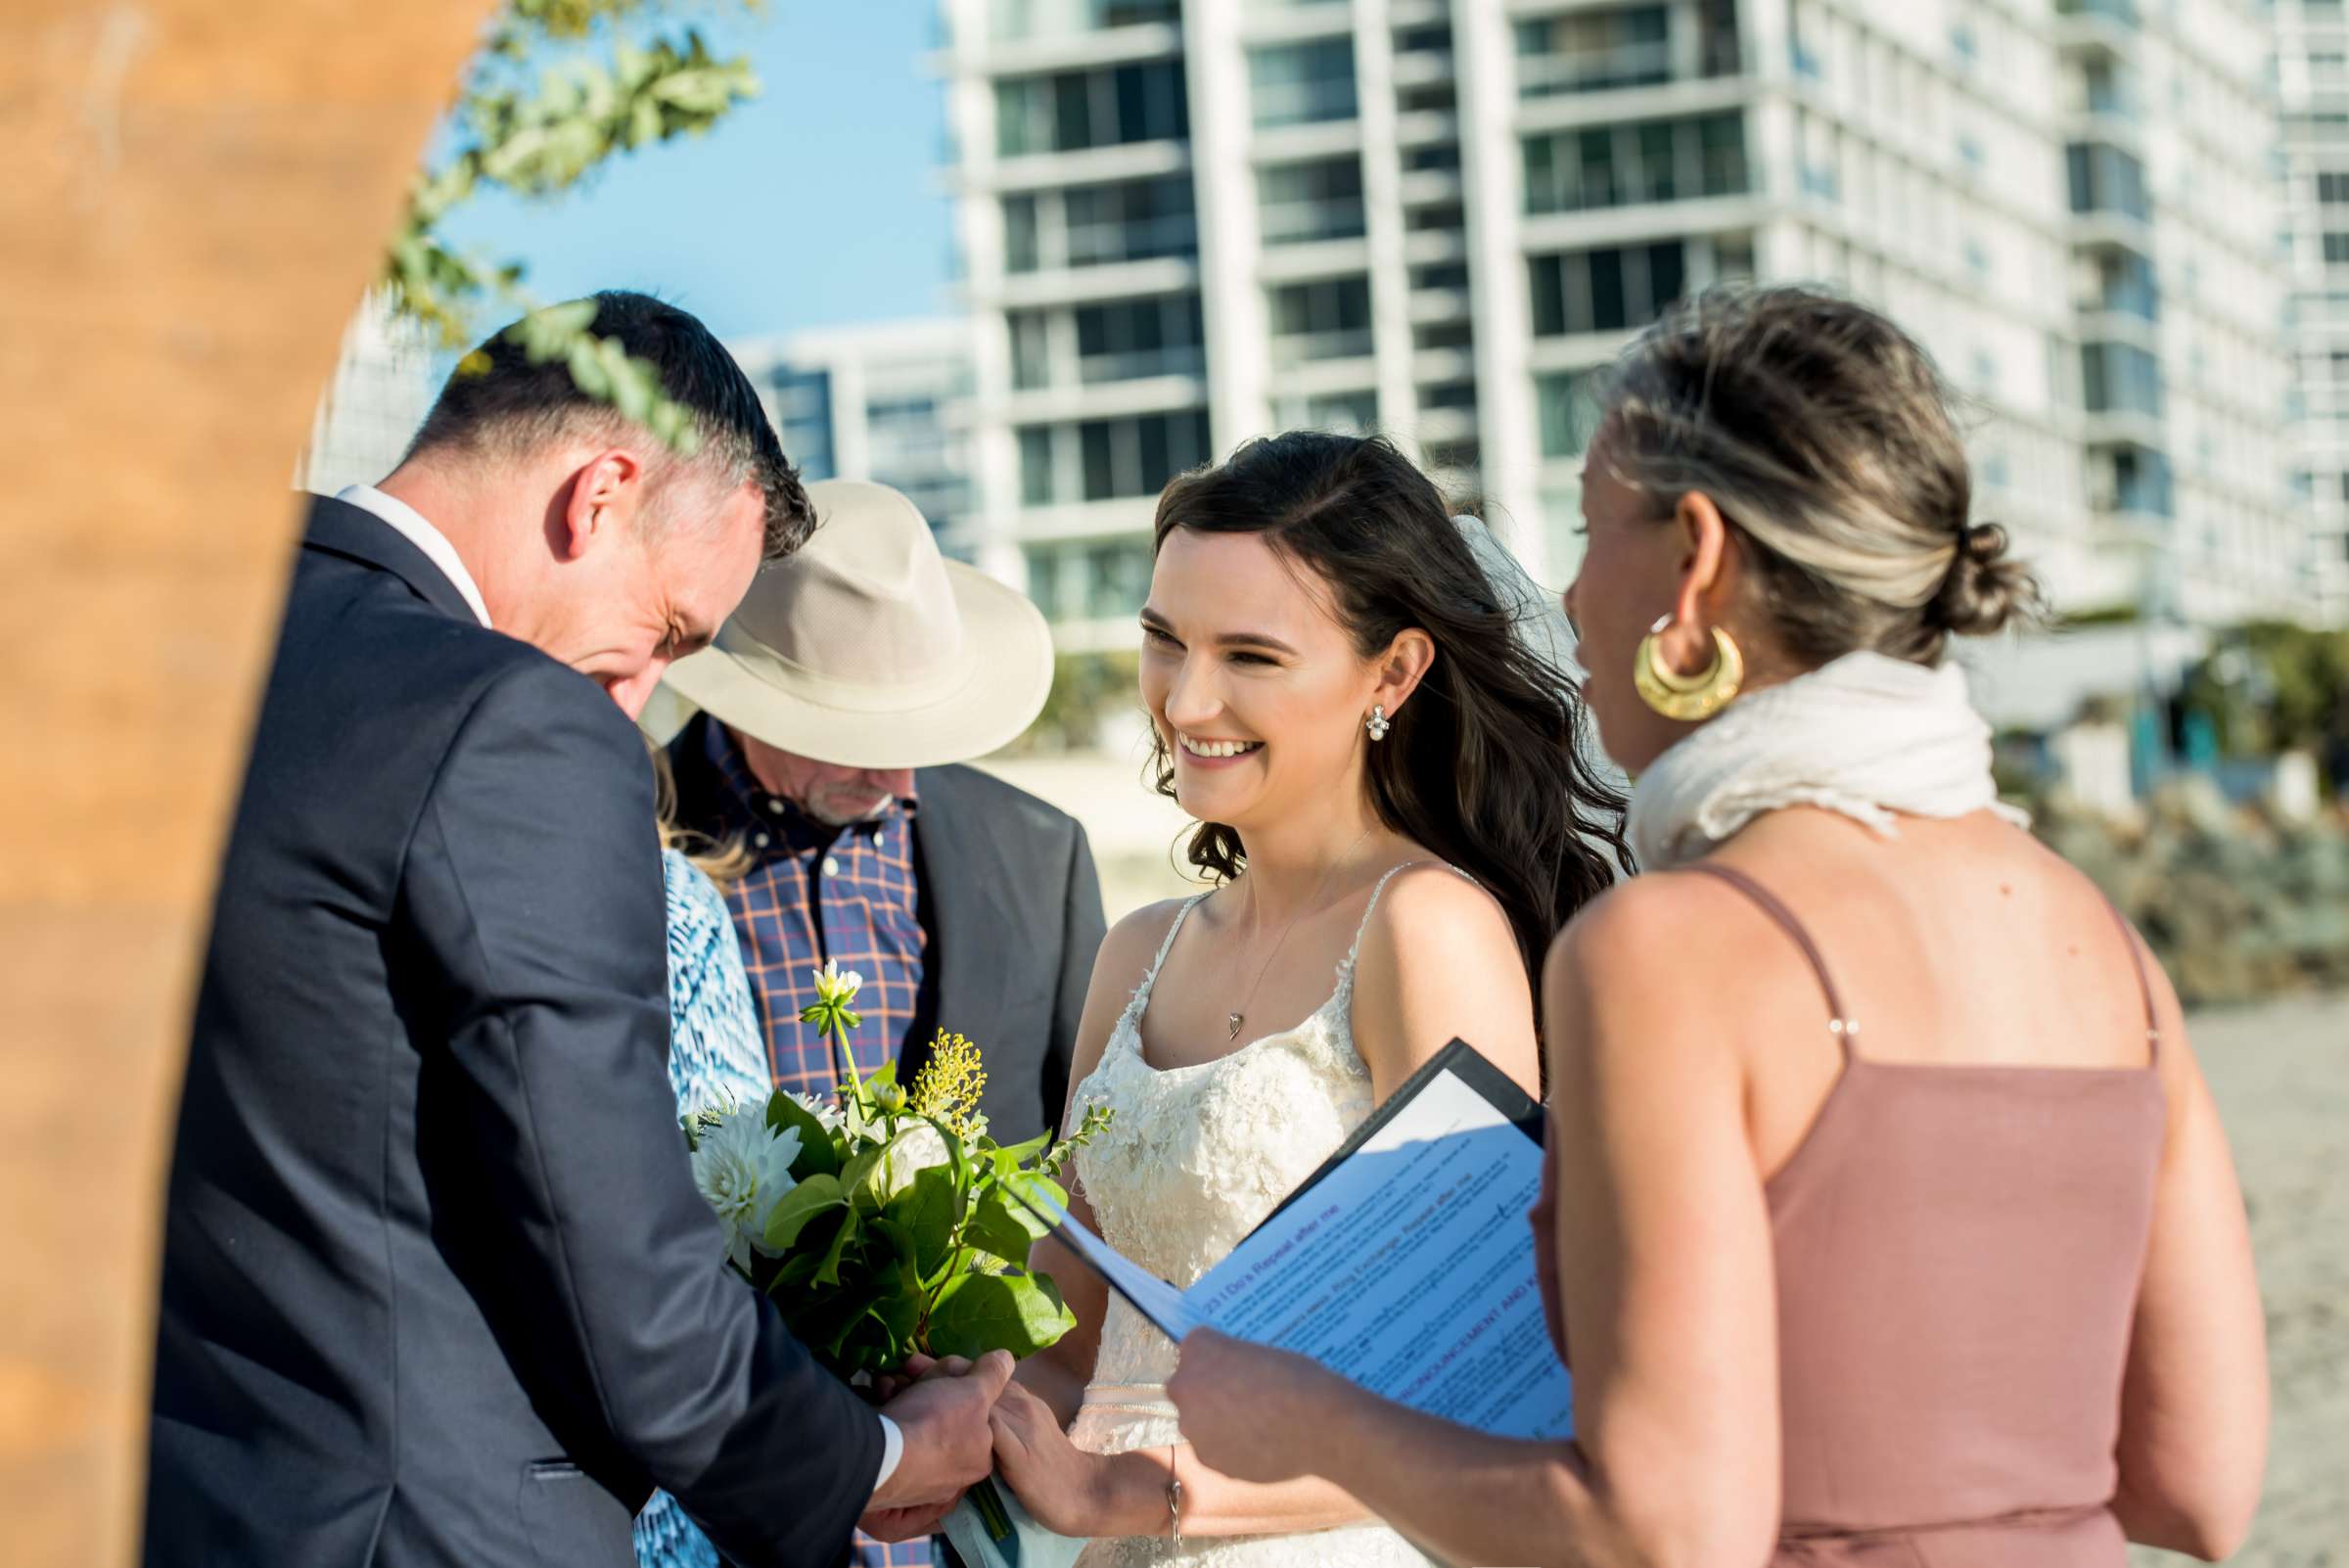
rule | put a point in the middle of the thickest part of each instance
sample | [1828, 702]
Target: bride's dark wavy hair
[1484, 765]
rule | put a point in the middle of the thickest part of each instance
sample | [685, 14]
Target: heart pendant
[1232, 1032]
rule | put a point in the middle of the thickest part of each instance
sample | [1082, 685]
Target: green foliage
[905, 1231]
[1086, 688]
[539, 138]
[2272, 684]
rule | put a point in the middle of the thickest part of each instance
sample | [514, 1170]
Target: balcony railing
[1640, 64]
[1299, 349]
[1341, 218]
[2123, 12]
[1141, 364]
[1017, 20]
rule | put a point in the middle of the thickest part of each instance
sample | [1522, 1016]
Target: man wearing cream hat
[836, 705]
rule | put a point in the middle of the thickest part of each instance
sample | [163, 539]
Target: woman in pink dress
[1893, 1223]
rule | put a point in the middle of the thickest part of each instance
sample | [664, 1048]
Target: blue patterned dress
[714, 1057]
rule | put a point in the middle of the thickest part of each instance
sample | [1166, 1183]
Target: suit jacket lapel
[338, 527]
[966, 874]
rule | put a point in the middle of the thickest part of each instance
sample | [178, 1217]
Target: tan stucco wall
[191, 197]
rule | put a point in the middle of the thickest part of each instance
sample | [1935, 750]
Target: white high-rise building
[1184, 222]
[2311, 77]
[382, 386]
[882, 401]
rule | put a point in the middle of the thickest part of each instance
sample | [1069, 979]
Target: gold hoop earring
[1687, 698]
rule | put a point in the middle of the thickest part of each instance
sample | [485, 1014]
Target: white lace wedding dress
[1195, 1158]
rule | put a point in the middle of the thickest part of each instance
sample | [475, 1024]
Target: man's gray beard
[879, 809]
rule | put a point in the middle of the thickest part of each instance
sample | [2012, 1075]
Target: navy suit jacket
[438, 1289]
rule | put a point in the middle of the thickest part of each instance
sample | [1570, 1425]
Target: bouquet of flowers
[886, 1220]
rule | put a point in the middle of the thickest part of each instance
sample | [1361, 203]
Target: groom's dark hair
[501, 403]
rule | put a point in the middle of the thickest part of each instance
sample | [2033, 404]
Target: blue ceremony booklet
[1405, 1262]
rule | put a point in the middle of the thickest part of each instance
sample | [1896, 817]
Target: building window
[1432, 157]
[1353, 413]
[2337, 247]
[1030, 350]
[1568, 411]
[2332, 187]
[1038, 485]
[1441, 275]
[2141, 481]
[2119, 377]
[1116, 579]
[1103, 459]
[1327, 319]
[1297, 84]
[1099, 225]
[1070, 111]
[1449, 395]
[1013, 20]
[1589, 51]
[1625, 165]
[2105, 179]
[2124, 285]
[1297, 203]
[1138, 454]
[1125, 340]
[1607, 290]
[1043, 581]
[803, 420]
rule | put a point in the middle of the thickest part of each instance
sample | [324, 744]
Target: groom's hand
[948, 1445]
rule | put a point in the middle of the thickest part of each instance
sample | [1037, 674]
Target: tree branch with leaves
[539, 137]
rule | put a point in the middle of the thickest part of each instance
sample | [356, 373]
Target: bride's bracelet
[1173, 1497]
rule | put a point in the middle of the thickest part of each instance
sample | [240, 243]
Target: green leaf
[1011, 1159]
[862, 1176]
[818, 1154]
[801, 1204]
[828, 1272]
[929, 1210]
[1000, 1224]
[979, 1312]
[795, 1274]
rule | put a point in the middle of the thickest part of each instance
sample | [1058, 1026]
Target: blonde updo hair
[1822, 433]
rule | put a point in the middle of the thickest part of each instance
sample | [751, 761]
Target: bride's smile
[1202, 750]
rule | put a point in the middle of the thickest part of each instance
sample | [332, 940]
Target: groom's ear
[604, 495]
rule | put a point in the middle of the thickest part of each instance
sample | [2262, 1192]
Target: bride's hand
[1064, 1487]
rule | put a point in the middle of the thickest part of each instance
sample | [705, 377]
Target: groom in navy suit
[438, 1289]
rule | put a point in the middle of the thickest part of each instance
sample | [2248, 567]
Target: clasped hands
[940, 1407]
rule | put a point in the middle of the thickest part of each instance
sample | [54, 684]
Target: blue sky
[818, 203]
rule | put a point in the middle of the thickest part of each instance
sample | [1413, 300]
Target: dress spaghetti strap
[1370, 908]
[1141, 992]
[1840, 1024]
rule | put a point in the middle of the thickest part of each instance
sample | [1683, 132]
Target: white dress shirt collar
[411, 526]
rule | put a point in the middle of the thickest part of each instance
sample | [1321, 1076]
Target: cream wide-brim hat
[870, 649]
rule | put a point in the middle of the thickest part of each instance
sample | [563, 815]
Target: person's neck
[1306, 859]
[469, 519]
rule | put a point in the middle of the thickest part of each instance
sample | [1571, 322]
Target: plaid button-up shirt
[818, 892]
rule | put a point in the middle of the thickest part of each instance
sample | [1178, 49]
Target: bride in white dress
[1393, 800]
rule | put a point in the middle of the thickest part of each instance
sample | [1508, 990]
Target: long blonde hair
[723, 861]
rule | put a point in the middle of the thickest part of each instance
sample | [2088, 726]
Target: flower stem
[989, 1509]
[847, 1060]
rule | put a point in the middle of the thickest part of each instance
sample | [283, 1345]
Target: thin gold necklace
[1232, 1021]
